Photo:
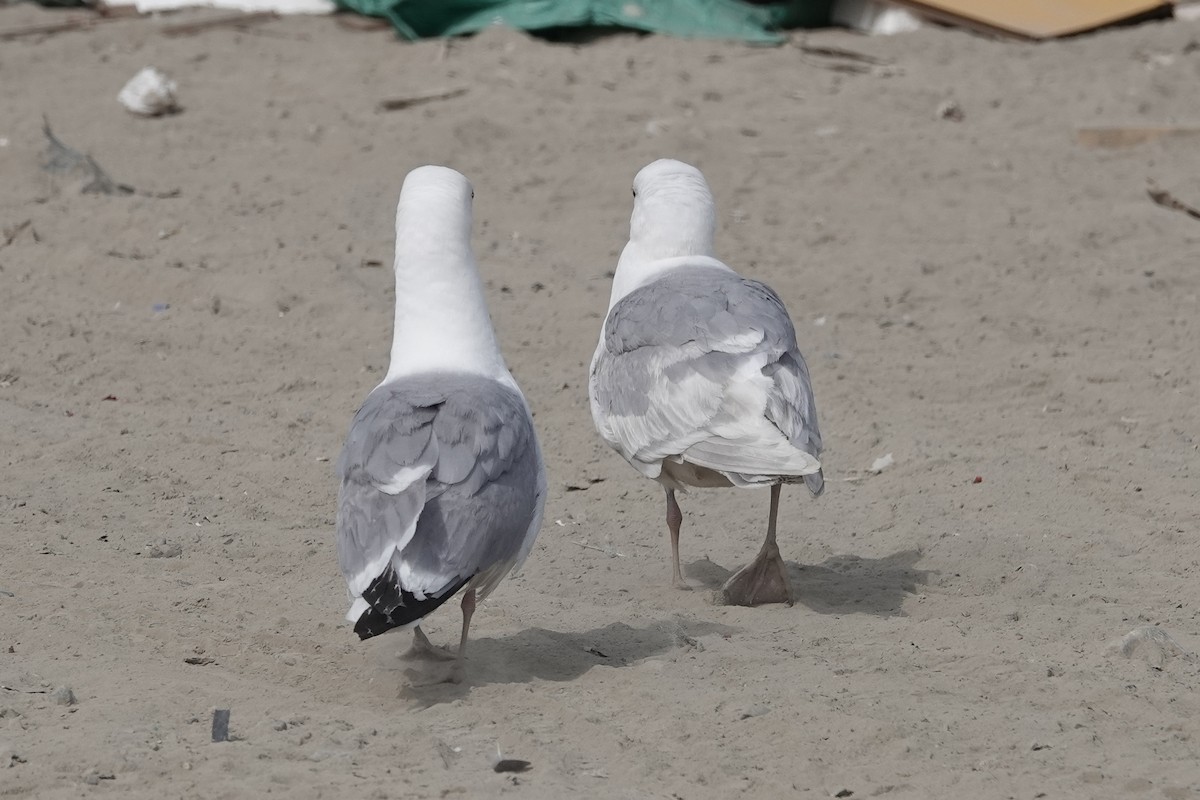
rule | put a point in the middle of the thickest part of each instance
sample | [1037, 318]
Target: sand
[1003, 310]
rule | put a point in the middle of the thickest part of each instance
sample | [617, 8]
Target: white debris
[149, 93]
[882, 463]
[1152, 644]
[875, 17]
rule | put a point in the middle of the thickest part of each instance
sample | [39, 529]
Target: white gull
[697, 380]
[442, 479]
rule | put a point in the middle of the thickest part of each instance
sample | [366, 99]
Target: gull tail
[389, 605]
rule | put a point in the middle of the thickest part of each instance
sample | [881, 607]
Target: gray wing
[792, 407]
[703, 365]
[442, 481]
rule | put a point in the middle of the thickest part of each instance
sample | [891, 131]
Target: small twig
[75, 23]
[232, 21]
[356, 23]
[608, 552]
[270, 33]
[839, 59]
[1168, 200]
[199, 661]
[400, 103]
[838, 52]
[880, 70]
[134, 256]
[854, 69]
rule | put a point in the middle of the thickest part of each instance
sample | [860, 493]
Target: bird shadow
[541, 653]
[841, 584]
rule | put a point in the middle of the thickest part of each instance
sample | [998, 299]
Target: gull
[442, 478]
[697, 380]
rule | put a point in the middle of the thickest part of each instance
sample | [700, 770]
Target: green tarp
[696, 19]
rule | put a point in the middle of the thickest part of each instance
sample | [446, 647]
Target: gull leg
[424, 650]
[763, 580]
[674, 520]
[468, 609]
[457, 671]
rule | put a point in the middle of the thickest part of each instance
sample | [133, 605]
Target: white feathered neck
[442, 321]
[673, 223]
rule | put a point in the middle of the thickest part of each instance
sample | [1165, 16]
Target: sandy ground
[981, 298]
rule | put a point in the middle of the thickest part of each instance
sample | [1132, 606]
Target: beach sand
[1002, 309]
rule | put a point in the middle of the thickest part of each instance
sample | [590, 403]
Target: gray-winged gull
[697, 379]
[443, 482]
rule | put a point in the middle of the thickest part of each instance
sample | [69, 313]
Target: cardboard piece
[1037, 19]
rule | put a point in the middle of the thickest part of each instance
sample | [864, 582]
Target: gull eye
[472, 194]
[635, 192]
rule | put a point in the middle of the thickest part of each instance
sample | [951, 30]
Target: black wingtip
[391, 606]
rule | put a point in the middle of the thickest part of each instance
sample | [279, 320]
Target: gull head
[673, 212]
[442, 320]
[434, 212]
